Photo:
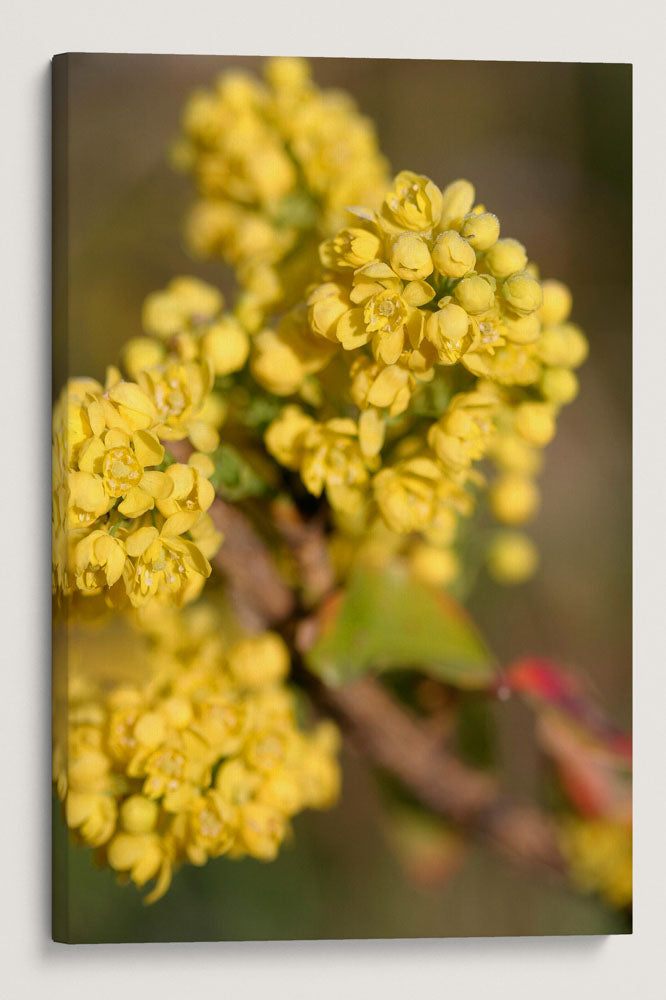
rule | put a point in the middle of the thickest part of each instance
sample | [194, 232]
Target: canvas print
[341, 498]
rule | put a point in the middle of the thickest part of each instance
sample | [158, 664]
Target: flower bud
[140, 353]
[506, 257]
[457, 200]
[410, 257]
[481, 231]
[138, 814]
[434, 566]
[514, 499]
[452, 322]
[259, 660]
[452, 255]
[522, 329]
[563, 346]
[476, 294]
[226, 346]
[523, 293]
[535, 423]
[559, 385]
[512, 557]
[557, 303]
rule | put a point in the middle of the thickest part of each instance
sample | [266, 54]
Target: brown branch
[387, 733]
[397, 741]
[256, 588]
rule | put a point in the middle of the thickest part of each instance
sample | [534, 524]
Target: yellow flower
[99, 560]
[165, 565]
[93, 815]
[332, 459]
[142, 857]
[463, 434]
[387, 387]
[350, 248]
[408, 493]
[136, 768]
[450, 332]
[178, 392]
[184, 304]
[190, 495]
[283, 358]
[87, 499]
[211, 827]
[261, 830]
[140, 353]
[285, 437]
[414, 203]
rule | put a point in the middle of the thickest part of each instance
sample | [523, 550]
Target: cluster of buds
[423, 311]
[188, 751]
[127, 523]
[275, 163]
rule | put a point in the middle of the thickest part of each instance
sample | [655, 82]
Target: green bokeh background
[548, 146]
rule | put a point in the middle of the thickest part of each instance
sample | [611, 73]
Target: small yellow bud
[451, 322]
[512, 558]
[259, 660]
[557, 303]
[535, 422]
[140, 353]
[410, 257]
[514, 499]
[522, 329]
[434, 566]
[506, 257]
[563, 346]
[476, 294]
[523, 293]
[287, 72]
[371, 430]
[452, 255]
[559, 385]
[457, 200]
[138, 814]
[226, 346]
[481, 231]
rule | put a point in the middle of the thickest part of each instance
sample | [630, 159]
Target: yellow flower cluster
[125, 523]
[275, 163]
[423, 311]
[195, 755]
[599, 854]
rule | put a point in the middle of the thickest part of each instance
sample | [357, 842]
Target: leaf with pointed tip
[385, 620]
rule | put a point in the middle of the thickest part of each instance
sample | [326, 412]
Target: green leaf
[386, 620]
[234, 478]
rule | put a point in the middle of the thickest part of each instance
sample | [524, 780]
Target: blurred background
[548, 147]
